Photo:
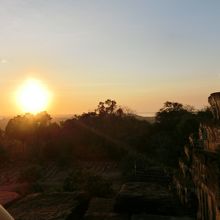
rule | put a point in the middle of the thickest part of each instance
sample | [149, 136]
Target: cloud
[3, 61]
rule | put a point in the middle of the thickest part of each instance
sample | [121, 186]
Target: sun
[33, 97]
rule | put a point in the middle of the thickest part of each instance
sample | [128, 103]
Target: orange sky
[139, 53]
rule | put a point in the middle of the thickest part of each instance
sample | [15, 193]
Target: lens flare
[33, 97]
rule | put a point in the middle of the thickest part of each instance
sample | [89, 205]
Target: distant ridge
[150, 119]
[58, 118]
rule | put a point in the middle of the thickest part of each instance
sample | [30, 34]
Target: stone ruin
[214, 101]
[197, 182]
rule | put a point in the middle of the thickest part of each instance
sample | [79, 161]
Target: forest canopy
[108, 132]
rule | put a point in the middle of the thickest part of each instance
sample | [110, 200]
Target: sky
[140, 53]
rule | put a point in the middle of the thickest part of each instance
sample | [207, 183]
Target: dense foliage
[107, 133]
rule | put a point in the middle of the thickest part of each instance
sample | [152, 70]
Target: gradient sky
[139, 52]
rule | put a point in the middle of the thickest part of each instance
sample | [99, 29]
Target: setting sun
[33, 97]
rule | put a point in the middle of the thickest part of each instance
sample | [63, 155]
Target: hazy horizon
[142, 114]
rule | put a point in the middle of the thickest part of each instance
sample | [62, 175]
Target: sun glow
[33, 97]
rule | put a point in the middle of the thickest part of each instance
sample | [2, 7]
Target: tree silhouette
[108, 107]
[28, 127]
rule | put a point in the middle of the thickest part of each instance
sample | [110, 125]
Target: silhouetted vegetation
[107, 133]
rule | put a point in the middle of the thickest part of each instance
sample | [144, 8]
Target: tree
[205, 114]
[27, 127]
[21, 127]
[108, 107]
[171, 114]
[43, 119]
[174, 123]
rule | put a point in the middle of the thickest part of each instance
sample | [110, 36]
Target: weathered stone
[152, 175]
[101, 208]
[203, 168]
[158, 217]
[214, 101]
[44, 206]
[136, 197]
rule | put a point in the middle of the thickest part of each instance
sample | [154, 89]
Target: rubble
[102, 208]
[137, 197]
[48, 206]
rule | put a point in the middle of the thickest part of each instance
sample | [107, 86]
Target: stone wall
[214, 101]
[199, 172]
